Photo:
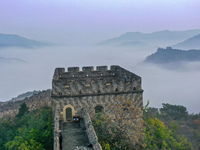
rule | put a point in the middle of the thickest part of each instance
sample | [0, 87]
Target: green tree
[21, 144]
[22, 110]
[158, 136]
[33, 131]
[8, 131]
[152, 112]
[175, 112]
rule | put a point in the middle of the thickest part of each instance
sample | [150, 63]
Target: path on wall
[74, 136]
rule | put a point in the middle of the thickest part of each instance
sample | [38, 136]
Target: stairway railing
[56, 131]
[93, 139]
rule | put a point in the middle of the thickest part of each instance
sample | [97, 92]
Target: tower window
[98, 109]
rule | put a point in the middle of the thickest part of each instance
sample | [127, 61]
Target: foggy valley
[162, 84]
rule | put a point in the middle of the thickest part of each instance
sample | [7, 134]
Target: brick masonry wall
[90, 88]
[90, 102]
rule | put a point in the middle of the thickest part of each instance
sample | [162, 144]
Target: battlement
[89, 72]
[90, 81]
[73, 69]
[91, 68]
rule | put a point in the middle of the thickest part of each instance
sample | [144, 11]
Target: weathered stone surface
[74, 137]
[93, 139]
[91, 89]
[94, 82]
[82, 148]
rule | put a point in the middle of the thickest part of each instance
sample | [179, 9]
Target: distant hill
[159, 38]
[191, 43]
[34, 100]
[12, 40]
[135, 44]
[24, 95]
[11, 61]
[169, 55]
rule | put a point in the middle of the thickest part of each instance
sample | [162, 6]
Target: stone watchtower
[93, 90]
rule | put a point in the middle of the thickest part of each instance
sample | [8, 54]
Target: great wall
[79, 95]
[93, 91]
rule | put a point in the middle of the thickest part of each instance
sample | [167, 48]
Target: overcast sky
[91, 21]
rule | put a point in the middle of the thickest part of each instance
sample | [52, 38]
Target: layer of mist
[175, 85]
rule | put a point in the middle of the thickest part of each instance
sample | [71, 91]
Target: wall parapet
[74, 72]
[56, 131]
[90, 81]
[93, 139]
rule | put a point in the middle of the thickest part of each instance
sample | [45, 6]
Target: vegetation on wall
[124, 131]
[163, 130]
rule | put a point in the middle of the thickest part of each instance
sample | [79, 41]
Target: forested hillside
[27, 131]
[175, 122]
[167, 128]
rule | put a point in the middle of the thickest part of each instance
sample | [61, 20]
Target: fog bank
[179, 85]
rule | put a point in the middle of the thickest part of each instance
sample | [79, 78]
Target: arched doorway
[68, 114]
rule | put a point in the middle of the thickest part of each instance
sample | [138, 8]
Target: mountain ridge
[169, 55]
[157, 38]
[4, 60]
[13, 40]
[191, 43]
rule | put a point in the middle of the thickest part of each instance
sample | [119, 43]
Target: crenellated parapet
[88, 72]
[89, 81]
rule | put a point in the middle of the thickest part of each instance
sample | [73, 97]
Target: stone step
[74, 136]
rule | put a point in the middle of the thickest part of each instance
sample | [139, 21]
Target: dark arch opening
[98, 109]
[68, 114]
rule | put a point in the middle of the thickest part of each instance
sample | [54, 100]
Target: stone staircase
[74, 136]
